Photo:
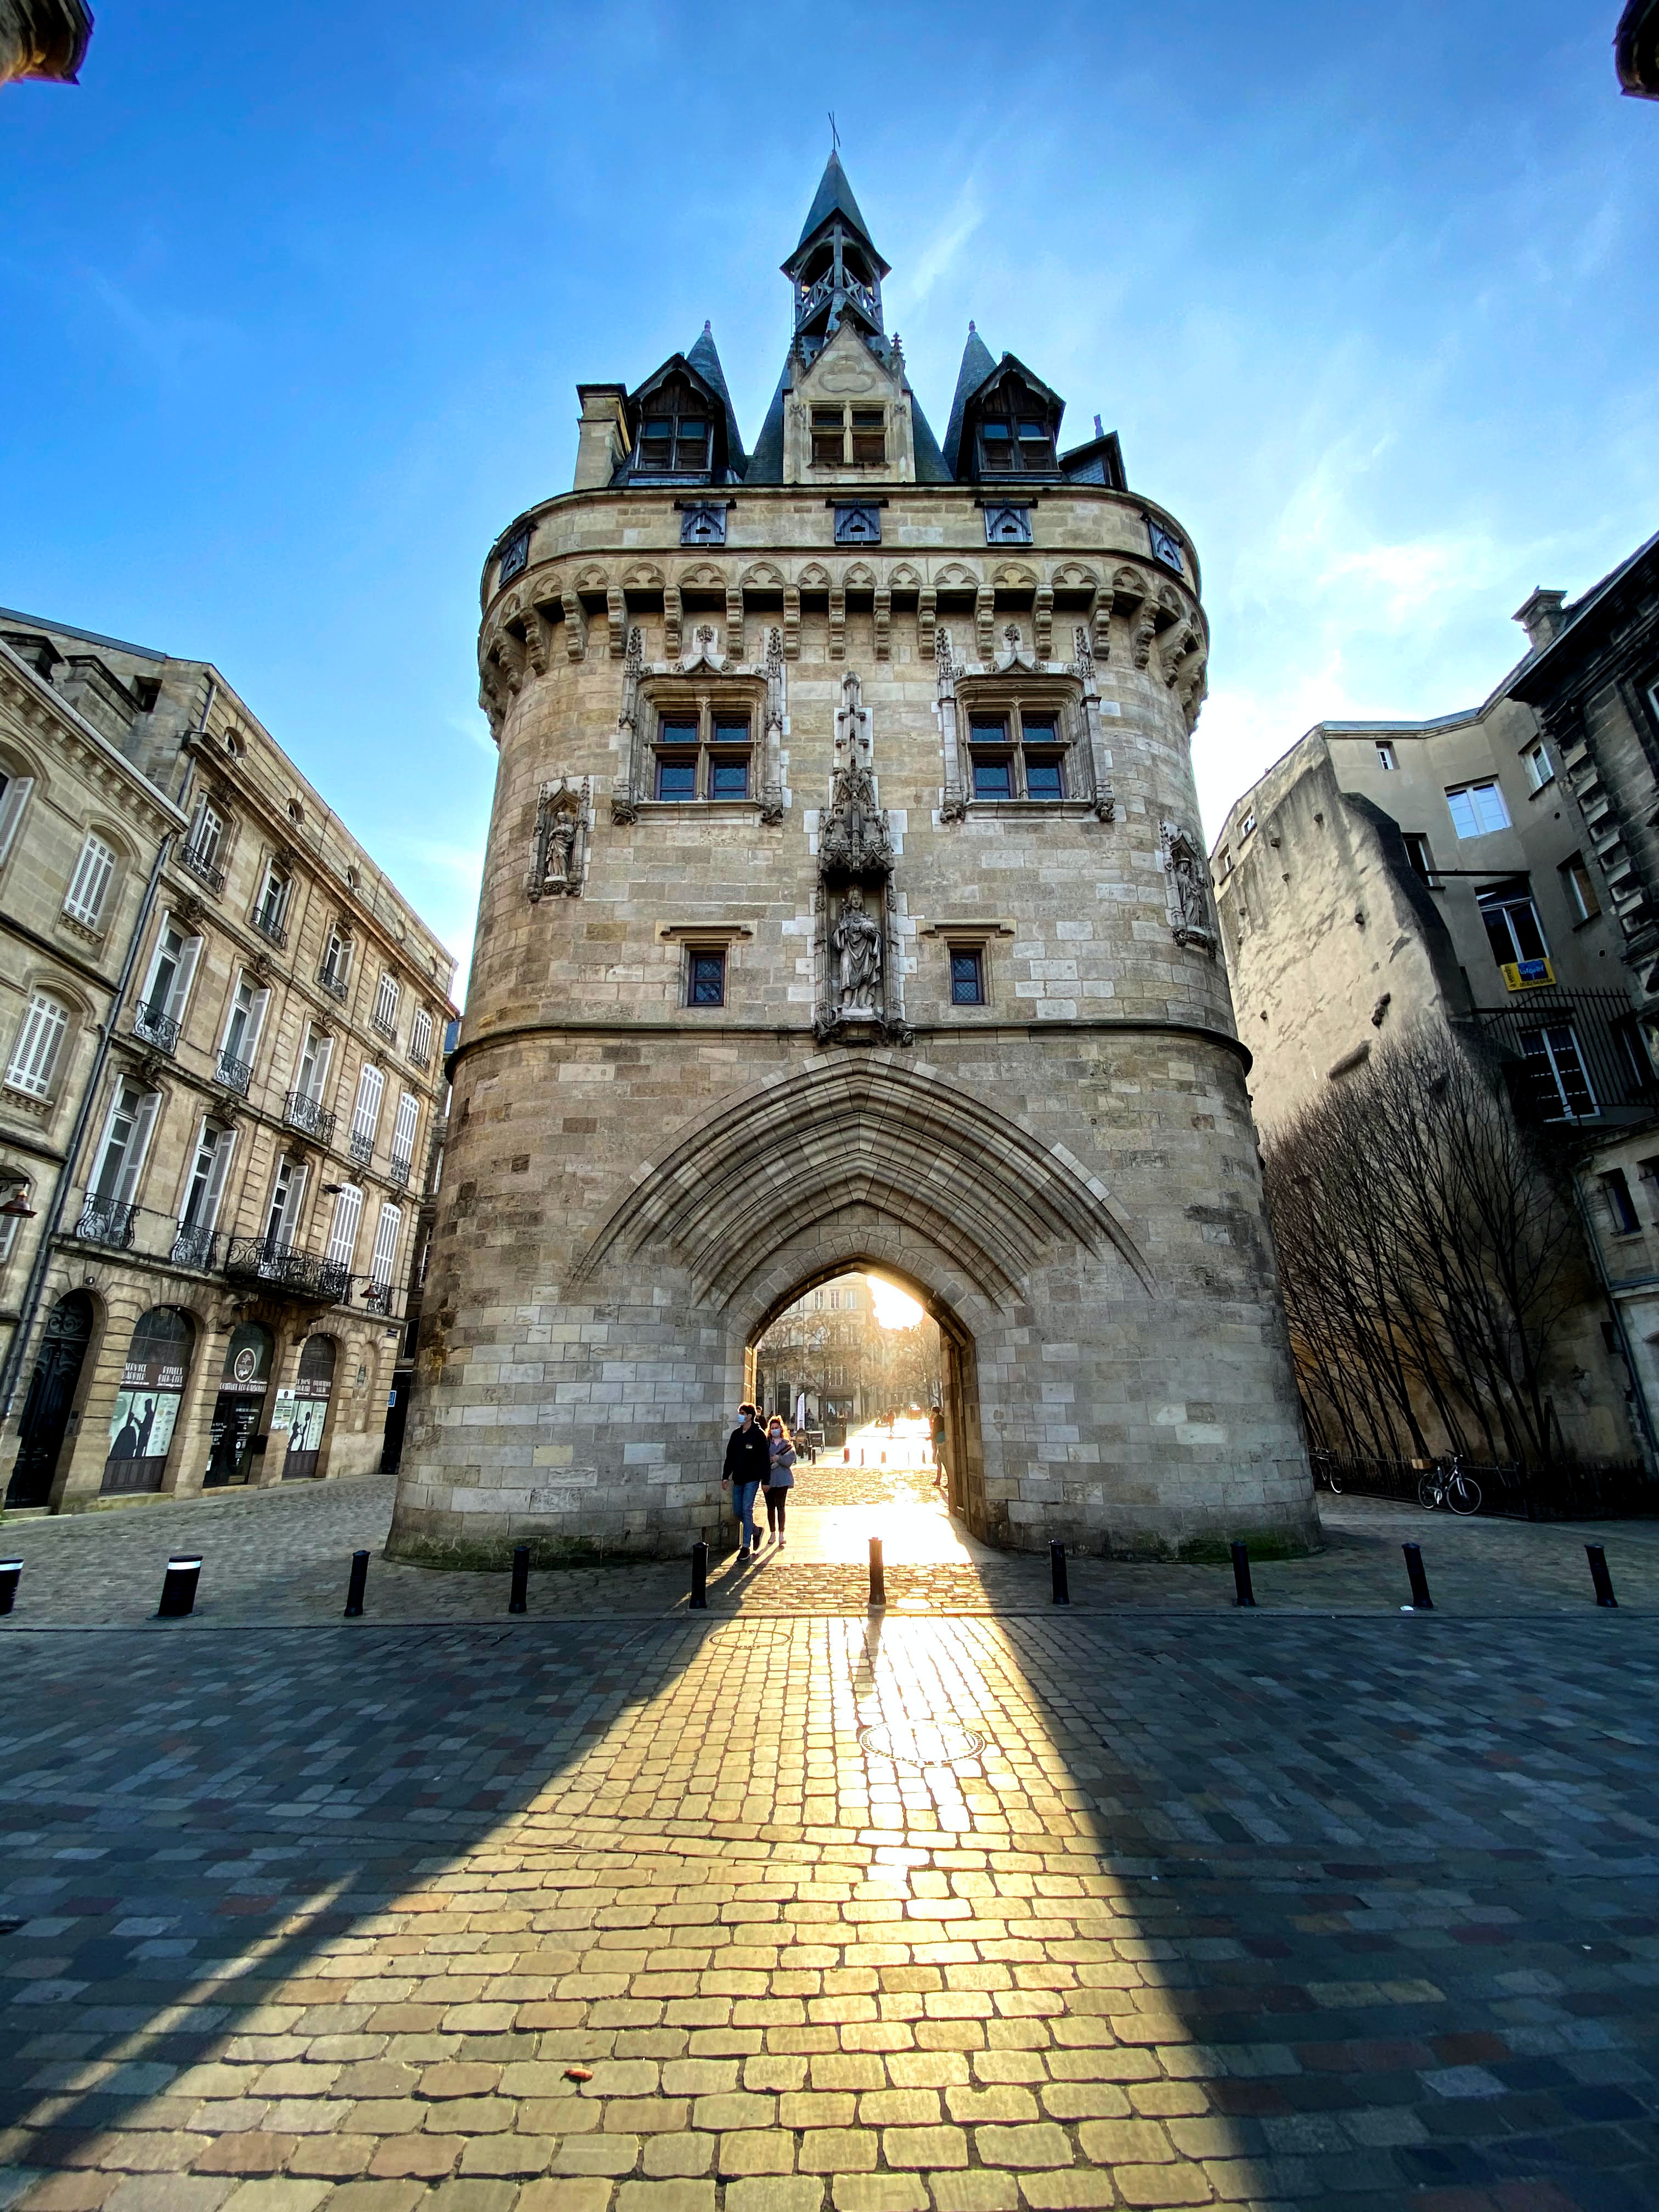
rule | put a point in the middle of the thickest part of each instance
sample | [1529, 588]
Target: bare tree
[1430, 1250]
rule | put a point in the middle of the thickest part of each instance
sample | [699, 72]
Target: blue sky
[296, 297]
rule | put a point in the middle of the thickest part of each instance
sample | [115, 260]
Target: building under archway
[846, 909]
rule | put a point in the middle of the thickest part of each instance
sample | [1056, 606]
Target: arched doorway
[312, 1387]
[236, 1411]
[51, 1396]
[146, 1410]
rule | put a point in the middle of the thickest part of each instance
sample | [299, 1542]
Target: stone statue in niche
[1186, 876]
[857, 943]
[559, 854]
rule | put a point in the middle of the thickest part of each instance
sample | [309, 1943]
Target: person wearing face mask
[747, 1463]
[780, 1476]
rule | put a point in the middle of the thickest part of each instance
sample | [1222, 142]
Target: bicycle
[1450, 1486]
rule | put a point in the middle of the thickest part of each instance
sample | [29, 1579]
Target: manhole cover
[921, 1743]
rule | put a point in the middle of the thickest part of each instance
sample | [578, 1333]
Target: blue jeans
[743, 1495]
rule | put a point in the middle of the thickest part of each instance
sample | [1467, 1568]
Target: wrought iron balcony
[155, 1027]
[396, 1168]
[269, 925]
[105, 1222]
[386, 1024]
[333, 981]
[421, 1060]
[195, 1247]
[302, 1112]
[299, 1274]
[360, 1145]
[1572, 1056]
[377, 1297]
[234, 1074]
[202, 868]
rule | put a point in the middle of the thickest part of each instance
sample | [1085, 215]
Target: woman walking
[780, 1477]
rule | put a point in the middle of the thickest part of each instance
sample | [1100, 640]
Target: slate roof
[835, 197]
[703, 361]
[976, 365]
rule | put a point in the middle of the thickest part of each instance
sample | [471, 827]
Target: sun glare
[894, 1308]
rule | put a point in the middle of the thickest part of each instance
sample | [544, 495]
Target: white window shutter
[35, 1055]
[386, 1243]
[216, 1175]
[184, 976]
[403, 1135]
[343, 1236]
[366, 1117]
[12, 801]
[256, 1022]
[85, 896]
[156, 958]
[144, 1122]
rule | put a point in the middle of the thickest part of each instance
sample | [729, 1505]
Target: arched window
[40, 1038]
[146, 1410]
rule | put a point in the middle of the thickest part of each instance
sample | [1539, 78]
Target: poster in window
[141, 1425]
[309, 1415]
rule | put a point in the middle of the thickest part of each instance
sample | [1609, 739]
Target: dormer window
[849, 437]
[675, 431]
[1013, 439]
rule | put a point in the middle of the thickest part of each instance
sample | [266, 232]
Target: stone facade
[1496, 870]
[791, 961]
[197, 962]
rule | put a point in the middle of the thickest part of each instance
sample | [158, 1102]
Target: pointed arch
[899, 1142]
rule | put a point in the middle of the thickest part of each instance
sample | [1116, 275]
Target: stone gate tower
[846, 906]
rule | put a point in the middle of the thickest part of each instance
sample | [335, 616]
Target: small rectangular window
[997, 444]
[1580, 886]
[994, 777]
[1477, 809]
[691, 446]
[706, 979]
[828, 444]
[1420, 855]
[1385, 759]
[869, 437]
[1512, 927]
[1621, 1207]
[677, 776]
[1538, 770]
[966, 976]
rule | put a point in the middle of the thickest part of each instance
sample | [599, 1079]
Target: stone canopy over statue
[856, 944]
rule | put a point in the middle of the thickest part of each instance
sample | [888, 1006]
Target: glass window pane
[1462, 813]
[966, 979]
[1043, 779]
[729, 779]
[678, 731]
[676, 779]
[989, 729]
[731, 729]
[707, 979]
[1040, 727]
[992, 778]
[1490, 810]
[994, 432]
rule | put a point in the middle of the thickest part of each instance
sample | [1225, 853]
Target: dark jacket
[746, 1455]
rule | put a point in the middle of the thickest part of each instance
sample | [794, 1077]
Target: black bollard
[10, 1574]
[179, 1590]
[878, 1575]
[356, 1586]
[1242, 1594]
[1057, 1563]
[700, 1578]
[1600, 1576]
[520, 1600]
[1420, 1598]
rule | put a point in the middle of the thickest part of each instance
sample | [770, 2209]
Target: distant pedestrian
[780, 1476]
[745, 1469]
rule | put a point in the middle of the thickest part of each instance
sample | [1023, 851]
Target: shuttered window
[420, 1037]
[34, 1056]
[366, 1114]
[126, 1140]
[403, 1135]
[343, 1236]
[385, 1243]
[207, 1178]
[84, 899]
[13, 798]
[386, 1004]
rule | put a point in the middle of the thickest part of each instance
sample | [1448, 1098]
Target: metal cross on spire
[834, 135]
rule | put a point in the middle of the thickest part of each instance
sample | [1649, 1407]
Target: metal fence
[1571, 1056]
[1566, 1490]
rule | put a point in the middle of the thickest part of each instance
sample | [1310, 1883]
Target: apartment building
[222, 1031]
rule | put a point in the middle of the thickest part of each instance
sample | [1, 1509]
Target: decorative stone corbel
[837, 622]
[538, 640]
[926, 617]
[671, 617]
[792, 621]
[1042, 617]
[509, 658]
[985, 604]
[616, 608]
[882, 622]
[734, 640]
[575, 625]
[1143, 631]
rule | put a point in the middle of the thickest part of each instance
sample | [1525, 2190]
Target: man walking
[746, 1461]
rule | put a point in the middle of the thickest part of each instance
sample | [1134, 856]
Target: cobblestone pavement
[833, 1914]
[281, 1556]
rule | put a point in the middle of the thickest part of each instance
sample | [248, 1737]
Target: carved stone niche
[558, 859]
[859, 995]
[1187, 889]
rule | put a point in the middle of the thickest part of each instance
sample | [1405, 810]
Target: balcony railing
[397, 1167]
[377, 1297]
[155, 1027]
[195, 1247]
[302, 1112]
[360, 1145]
[386, 1024]
[333, 981]
[1572, 1056]
[234, 1074]
[422, 1059]
[202, 868]
[299, 1274]
[269, 925]
[105, 1222]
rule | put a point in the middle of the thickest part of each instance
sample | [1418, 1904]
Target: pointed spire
[833, 196]
[705, 358]
[976, 365]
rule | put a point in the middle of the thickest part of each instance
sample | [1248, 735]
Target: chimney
[1541, 617]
